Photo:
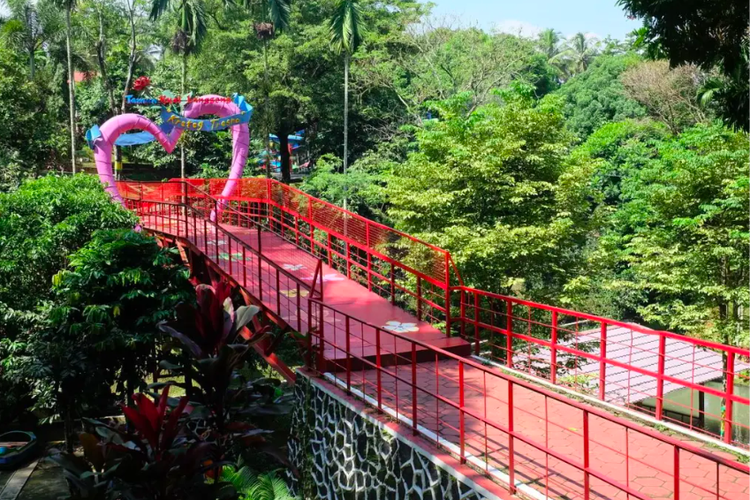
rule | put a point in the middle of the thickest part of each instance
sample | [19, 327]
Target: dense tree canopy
[597, 96]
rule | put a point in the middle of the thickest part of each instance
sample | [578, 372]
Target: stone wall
[344, 453]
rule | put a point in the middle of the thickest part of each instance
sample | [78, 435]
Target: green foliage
[252, 487]
[24, 146]
[103, 320]
[710, 33]
[597, 96]
[482, 184]
[674, 238]
[41, 223]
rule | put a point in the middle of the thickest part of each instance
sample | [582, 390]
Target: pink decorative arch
[118, 125]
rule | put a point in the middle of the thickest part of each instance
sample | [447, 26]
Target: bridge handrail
[318, 341]
[315, 286]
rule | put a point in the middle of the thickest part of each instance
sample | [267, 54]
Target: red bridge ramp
[399, 360]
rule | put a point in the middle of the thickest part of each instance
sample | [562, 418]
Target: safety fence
[694, 383]
[534, 440]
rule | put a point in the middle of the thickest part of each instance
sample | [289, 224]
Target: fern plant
[261, 487]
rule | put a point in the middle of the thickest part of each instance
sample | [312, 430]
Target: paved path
[553, 424]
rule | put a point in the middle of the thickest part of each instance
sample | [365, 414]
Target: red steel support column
[728, 404]
[602, 362]
[660, 378]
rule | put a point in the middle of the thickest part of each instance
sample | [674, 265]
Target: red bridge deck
[395, 358]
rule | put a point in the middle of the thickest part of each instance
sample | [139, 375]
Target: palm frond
[347, 26]
[280, 12]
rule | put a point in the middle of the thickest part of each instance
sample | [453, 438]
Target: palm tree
[69, 5]
[272, 16]
[346, 36]
[29, 26]
[549, 43]
[581, 51]
[191, 31]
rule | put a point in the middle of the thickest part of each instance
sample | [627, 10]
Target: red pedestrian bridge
[533, 396]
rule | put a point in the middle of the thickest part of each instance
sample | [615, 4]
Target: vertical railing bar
[660, 378]
[553, 349]
[602, 361]
[728, 404]
[414, 387]
[586, 485]
[511, 457]
[461, 413]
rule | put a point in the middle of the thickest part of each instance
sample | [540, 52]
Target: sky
[594, 17]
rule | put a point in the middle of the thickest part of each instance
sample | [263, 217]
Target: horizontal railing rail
[469, 409]
[614, 361]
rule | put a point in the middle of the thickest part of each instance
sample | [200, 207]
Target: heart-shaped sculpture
[118, 125]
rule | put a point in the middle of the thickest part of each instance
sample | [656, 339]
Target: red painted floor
[281, 281]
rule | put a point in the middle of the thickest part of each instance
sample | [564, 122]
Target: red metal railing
[529, 437]
[667, 376]
[282, 293]
[616, 362]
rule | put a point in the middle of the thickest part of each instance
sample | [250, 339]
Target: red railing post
[348, 356]
[509, 333]
[602, 360]
[660, 378]
[244, 266]
[553, 349]
[308, 354]
[229, 253]
[348, 260]
[511, 457]
[676, 495]
[321, 341]
[586, 487]
[728, 404]
[379, 369]
[414, 388]
[330, 251]
[419, 298]
[447, 295]
[461, 416]
[393, 283]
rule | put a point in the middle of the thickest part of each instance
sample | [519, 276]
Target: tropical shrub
[41, 224]
[103, 320]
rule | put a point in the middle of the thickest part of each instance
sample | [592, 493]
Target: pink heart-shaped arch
[118, 125]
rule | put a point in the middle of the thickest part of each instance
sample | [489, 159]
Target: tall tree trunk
[346, 122]
[286, 169]
[71, 91]
[101, 52]
[267, 126]
[182, 96]
[131, 59]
